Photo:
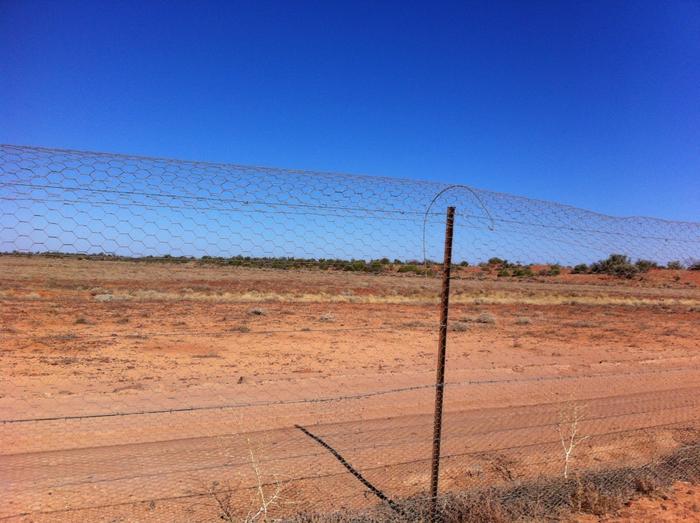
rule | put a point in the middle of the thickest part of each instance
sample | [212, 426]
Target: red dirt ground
[679, 504]
[124, 349]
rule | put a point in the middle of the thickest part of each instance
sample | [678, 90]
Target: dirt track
[86, 339]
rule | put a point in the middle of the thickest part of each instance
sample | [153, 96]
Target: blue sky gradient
[593, 104]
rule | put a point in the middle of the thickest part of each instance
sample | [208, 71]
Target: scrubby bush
[621, 265]
[521, 271]
[411, 267]
[459, 326]
[356, 265]
[616, 265]
[504, 272]
[552, 270]
[375, 266]
[485, 318]
[674, 265]
[645, 265]
[581, 268]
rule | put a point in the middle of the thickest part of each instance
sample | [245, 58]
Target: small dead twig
[229, 511]
[264, 502]
[223, 501]
[568, 429]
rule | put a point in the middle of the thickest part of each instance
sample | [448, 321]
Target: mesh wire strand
[198, 435]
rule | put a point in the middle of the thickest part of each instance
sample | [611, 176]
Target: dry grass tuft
[459, 326]
[485, 318]
[409, 296]
[583, 324]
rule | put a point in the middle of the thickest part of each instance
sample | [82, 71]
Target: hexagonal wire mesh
[192, 341]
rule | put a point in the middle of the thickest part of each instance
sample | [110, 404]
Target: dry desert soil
[138, 391]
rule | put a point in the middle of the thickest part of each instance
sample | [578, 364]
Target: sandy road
[170, 459]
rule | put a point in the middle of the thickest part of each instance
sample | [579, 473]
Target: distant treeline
[279, 262]
[615, 265]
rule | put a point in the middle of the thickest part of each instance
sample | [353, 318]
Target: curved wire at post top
[492, 227]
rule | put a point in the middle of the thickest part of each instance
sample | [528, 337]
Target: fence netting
[188, 341]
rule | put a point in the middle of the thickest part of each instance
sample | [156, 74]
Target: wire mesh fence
[187, 341]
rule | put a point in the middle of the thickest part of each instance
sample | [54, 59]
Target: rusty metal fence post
[440, 375]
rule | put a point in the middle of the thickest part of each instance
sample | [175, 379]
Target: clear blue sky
[594, 104]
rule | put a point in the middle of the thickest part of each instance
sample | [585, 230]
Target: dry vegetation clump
[459, 326]
[327, 317]
[597, 493]
[583, 324]
[207, 355]
[485, 318]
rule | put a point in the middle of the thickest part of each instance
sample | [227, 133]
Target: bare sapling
[267, 494]
[266, 500]
[569, 430]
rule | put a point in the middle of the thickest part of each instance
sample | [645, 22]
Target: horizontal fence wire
[71, 201]
[189, 341]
